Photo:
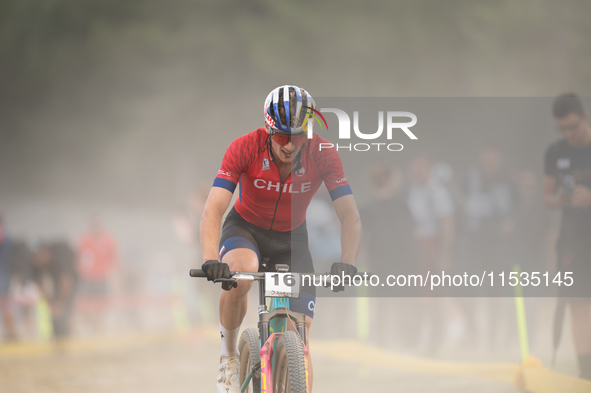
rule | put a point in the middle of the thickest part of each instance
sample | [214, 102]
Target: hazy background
[133, 103]
[123, 109]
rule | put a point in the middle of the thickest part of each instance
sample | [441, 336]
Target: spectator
[5, 276]
[54, 271]
[432, 209]
[532, 236]
[24, 291]
[199, 297]
[567, 186]
[97, 263]
[490, 201]
[388, 241]
[388, 248]
[186, 221]
[490, 208]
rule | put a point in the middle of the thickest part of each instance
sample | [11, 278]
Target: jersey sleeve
[235, 162]
[550, 162]
[331, 169]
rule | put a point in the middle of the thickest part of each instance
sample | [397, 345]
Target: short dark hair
[566, 104]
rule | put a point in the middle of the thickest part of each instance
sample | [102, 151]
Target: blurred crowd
[419, 218]
[425, 217]
[50, 287]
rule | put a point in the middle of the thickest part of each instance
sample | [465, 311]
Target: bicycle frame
[267, 349]
[265, 316]
[268, 340]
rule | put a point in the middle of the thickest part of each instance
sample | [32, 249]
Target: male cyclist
[279, 170]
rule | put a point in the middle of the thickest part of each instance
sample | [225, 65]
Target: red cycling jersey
[265, 201]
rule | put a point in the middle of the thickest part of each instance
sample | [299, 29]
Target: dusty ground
[177, 365]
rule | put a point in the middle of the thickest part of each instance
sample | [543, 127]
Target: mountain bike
[280, 365]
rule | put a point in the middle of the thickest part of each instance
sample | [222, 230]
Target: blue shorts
[272, 248]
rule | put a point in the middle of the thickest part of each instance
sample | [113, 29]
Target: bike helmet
[287, 108]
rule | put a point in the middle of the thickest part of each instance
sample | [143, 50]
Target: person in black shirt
[389, 240]
[389, 249]
[54, 271]
[567, 185]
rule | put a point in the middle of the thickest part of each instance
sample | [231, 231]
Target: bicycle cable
[287, 311]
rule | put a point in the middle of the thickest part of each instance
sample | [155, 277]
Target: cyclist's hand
[338, 269]
[216, 269]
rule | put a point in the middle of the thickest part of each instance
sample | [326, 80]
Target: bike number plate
[282, 285]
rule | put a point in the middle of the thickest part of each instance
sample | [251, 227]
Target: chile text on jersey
[263, 199]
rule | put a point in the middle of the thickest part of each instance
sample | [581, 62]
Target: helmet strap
[270, 137]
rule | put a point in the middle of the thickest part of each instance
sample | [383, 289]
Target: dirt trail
[189, 365]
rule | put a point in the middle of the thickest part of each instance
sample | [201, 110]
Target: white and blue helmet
[289, 109]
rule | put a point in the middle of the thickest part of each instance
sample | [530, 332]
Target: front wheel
[289, 368]
[249, 356]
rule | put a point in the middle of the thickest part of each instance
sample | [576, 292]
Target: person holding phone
[567, 186]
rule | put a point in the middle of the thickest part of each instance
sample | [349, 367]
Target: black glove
[337, 269]
[216, 269]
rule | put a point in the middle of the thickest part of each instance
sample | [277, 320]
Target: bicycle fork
[268, 341]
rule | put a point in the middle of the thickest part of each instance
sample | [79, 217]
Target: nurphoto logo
[395, 121]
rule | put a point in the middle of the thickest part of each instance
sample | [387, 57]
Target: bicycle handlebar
[238, 276]
[250, 276]
[197, 273]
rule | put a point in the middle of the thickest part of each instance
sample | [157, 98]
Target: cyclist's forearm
[210, 234]
[351, 233]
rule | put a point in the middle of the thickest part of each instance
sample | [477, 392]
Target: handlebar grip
[197, 273]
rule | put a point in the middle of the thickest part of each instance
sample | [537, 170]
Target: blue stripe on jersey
[224, 183]
[340, 191]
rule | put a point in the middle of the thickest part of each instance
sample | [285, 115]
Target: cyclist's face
[574, 128]
[286, 153]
